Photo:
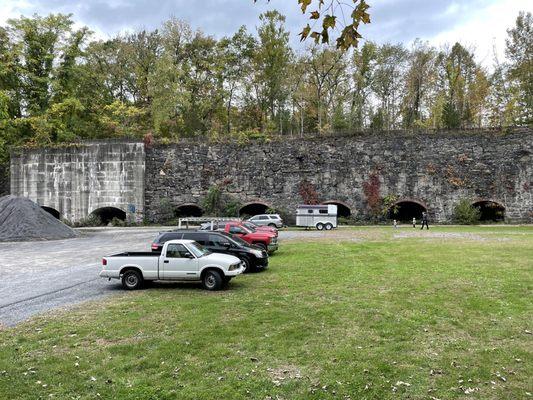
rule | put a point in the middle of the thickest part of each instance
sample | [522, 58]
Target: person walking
[414, 222]
[425, 220]
[395, 224]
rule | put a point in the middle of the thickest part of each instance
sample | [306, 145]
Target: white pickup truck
[179, 260]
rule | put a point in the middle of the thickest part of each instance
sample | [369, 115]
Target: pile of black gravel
[23, 220]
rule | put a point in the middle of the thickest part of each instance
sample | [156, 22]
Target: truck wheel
[328, 226]
[132, 280]
[320, 226]
[227, 279]
[212, 280]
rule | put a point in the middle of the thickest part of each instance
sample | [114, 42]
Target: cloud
[392, 20]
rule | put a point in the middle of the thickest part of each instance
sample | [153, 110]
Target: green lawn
[442, 314]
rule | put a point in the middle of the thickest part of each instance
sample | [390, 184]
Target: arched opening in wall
[406, 210]
[490, 211]
[343, 210]
[52, 211]
[189, 210]
[106, 214]
[253, 208]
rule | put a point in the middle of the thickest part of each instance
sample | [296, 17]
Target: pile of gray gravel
[23, 220]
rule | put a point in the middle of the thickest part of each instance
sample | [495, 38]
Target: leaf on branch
[316, 36]
[305, 33]
[360, 13]
[304, 4]
[329, 22]
[315, 15]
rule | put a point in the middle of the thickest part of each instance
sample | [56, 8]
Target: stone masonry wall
[79, 179]
[436, 170]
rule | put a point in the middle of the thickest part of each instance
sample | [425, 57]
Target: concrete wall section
[79, 179]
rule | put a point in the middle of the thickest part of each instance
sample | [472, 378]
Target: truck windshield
[249, 226]
[198, 250]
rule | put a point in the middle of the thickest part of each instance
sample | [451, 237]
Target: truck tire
[227, 279]
[328, 226]
[212, 280]
[320, 226]
[132, 280]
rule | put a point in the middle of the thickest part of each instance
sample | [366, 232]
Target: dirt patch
[438, 235]
[23, 220]
[284, 374]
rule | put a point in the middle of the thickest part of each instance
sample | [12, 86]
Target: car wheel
[328, 226]
[247, 264]
[132, 280]
[272, 225]
[212, 280]
[320, 226]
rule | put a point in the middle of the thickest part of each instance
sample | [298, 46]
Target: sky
[479, 24]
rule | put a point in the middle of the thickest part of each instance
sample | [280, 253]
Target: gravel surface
[39, 276]
[22, 219]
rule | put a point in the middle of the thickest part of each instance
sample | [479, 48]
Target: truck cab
[266, 240]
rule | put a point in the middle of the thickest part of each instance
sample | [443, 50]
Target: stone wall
[435, 170]
[79, 179]
[4, 179]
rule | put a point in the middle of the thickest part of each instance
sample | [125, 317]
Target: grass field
[371, 313]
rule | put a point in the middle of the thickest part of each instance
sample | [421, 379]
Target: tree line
[57, 84]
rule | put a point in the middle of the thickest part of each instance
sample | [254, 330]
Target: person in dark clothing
[425, 220]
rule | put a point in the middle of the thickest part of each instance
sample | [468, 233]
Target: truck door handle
[166, 261]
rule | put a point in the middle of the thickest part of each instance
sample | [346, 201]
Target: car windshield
[250, 226]
[198, 250]
[237, 240]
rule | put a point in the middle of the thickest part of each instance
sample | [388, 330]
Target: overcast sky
[479, 23]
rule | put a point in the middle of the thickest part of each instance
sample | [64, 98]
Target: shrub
[117, 222]
[465, 213]
[91, 220]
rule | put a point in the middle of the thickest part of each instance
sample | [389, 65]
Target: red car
[262, 238]
[254, 227]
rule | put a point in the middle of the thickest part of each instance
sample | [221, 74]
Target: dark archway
[106, 214]
[343, 210]
[52, 211]
[406, 210]
[490, 211]
[253, 208]
[189, 210]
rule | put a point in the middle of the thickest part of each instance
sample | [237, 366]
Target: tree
[363, 67]
[271, 62]
[519, 51]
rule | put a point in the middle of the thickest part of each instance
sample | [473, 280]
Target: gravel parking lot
[39, 276]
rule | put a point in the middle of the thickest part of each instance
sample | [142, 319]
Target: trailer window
[309, 211]
[323, 211]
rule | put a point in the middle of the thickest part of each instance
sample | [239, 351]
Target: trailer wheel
[328, 226]
[132, 280]
[320, 226]
[212, 280]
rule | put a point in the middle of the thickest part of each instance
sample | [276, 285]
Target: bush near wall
[465, 213]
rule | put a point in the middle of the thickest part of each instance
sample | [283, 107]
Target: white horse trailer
[319, 216]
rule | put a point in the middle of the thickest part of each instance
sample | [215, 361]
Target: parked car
[179, 260]
[273, 220]
[317, 216]
[253, 257]
[216, 225]
[266, 240]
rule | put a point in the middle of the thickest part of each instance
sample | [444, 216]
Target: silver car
[273, 220]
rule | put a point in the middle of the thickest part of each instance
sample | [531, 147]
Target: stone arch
[343, 209]
[490, 210]
[106, 214]
[406, 209]
[254, 207]
[189, 210]
[50, 210]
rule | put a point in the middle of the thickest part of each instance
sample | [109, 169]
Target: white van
[317, 216]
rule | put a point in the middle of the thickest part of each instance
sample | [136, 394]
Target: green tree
[519, 51]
